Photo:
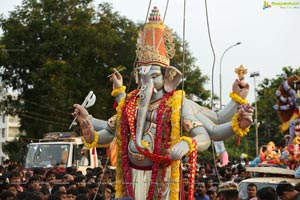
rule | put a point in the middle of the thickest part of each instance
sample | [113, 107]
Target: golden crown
[155, 43]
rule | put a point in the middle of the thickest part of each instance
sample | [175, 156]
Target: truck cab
[266, 175]
[60, 150]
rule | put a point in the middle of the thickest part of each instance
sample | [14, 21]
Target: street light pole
[254, 75]
[238, 43]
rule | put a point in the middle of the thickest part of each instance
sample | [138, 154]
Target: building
[9, 130]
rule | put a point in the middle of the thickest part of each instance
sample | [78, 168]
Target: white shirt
[84, 161]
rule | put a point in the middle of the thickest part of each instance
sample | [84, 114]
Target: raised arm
[118, 87]
[91, 126]
[238, 97]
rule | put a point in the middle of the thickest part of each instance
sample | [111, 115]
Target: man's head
[286, 191]
[212, 193]
[13, 189]
[251, 190]
[266, 193]
[242, 173]
[228, 191]
[67, 178]
[34, 183]
[50, 175]
[14, 177]
[201, 188]
[80, 181]
[93, 188]
[109, 190]
[72, 193]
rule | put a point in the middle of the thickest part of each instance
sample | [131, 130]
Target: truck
[58, 151]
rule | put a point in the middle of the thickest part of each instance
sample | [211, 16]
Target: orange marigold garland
[175, 103]
[120, 190]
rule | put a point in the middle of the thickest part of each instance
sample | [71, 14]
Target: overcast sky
[270, 38]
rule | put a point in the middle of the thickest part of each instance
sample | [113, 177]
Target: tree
[69, 48]
[15, 149]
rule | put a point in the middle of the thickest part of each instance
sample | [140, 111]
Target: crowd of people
[42, 184]
[212, 182]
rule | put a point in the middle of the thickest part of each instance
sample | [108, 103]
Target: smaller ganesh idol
[271, 155]
[268, 154]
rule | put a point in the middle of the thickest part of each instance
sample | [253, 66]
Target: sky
[270, 38]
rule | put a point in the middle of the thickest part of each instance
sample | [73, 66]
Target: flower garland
[235, 97]
[192, 162]
[131, 119]
[92, 144]
[125, 112]
[190, 143]
[158, 145]
[119, 175]
[118, 91]
[236, 128]
[175, 103]
[155, 157]
[124, 148]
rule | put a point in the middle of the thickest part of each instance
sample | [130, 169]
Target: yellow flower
[236, 128]
[93, 144]
[235, 97]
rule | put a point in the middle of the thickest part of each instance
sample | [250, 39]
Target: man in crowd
[286, 191]
[200, 193]
[251, 191]
[266, 193]
[212, 193]
[228, 191]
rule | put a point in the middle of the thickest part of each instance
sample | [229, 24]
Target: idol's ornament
[288, 107]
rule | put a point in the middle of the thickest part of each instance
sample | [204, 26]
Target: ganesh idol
[150, 121]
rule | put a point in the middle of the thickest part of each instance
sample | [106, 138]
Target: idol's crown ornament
[155, 43]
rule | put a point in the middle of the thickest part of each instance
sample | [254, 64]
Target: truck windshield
[47, 155]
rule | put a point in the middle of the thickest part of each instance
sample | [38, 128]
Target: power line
[39, 119]
[38, 114]
[47, 107]
[13, 50]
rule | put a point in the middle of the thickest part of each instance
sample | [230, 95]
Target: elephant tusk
[154, 90]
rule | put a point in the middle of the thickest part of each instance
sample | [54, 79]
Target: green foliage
[234, 150]
[15, 149]
[70, 48]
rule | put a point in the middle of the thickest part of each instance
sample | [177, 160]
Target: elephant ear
[172, 78]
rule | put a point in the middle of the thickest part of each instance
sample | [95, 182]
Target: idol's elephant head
[154, 81]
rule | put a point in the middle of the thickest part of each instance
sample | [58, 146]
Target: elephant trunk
[145, 96]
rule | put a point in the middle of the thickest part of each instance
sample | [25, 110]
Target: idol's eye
[155, 75]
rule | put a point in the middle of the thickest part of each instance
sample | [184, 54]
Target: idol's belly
[135, 157]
